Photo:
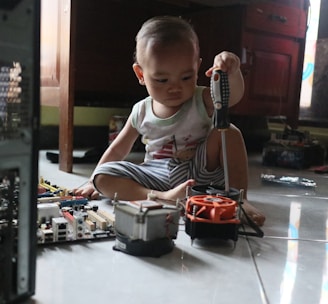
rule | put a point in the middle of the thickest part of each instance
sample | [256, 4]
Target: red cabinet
[269, 38]
[271, 74]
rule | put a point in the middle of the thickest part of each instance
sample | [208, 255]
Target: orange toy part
[211, 209]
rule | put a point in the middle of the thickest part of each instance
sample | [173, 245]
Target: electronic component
[66, 218]
[57, 224]
[59, 229]
[47, 211]
[19, 126]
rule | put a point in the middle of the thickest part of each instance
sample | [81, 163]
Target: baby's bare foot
[178, 192]
[257, 216]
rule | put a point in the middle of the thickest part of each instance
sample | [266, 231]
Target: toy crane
[215, 212]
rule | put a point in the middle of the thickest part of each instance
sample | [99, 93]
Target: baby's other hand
[225, 61]
[87, 190]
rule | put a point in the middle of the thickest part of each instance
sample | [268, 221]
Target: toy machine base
[210, 230]
[212, 213]
[146, 228]
[153, 248]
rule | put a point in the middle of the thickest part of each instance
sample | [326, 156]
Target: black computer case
[19, 125]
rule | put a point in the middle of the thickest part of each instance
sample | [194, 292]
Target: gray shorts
[165, 174]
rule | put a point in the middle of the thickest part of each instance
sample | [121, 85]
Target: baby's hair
[166, 30]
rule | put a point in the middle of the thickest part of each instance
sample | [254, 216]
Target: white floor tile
[288, 266]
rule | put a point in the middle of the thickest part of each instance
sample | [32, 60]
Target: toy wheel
[214, 208]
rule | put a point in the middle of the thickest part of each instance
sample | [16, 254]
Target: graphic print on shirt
[171, 150]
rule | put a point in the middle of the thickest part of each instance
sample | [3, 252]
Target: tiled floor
[288, 265]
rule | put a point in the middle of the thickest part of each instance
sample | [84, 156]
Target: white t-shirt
[176, 136]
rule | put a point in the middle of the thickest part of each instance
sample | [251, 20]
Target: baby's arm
[118, 150]
[122, 144]
[230, 63]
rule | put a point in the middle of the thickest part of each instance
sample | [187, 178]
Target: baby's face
[170, 72]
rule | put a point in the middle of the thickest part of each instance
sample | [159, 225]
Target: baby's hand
[87, 190]
[225, 61]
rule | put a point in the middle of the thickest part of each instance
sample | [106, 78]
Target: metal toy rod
[225, 162]
[220, 93]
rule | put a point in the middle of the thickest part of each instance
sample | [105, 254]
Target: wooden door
[270, 69]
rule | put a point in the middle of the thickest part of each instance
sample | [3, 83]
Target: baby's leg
[128, 189]
[237, 164]
[257, 216]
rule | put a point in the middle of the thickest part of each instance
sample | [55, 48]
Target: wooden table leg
[66, 103]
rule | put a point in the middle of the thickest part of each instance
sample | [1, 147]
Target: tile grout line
[286, 238]
[263, 293]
